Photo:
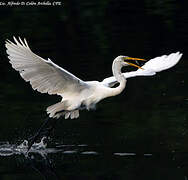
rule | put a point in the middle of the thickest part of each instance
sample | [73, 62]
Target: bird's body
[88, 97]
[47, 77]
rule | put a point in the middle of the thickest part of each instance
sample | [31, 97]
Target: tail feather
[59, 109]
[55, 108]
[74, 114]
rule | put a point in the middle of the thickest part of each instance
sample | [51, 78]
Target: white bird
[47, 77]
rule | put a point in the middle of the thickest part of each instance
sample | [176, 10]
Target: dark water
[140, 134]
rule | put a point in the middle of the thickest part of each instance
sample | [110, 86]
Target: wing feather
[150, 68]
[43, 75]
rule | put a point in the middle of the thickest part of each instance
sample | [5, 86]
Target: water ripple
[7, 149]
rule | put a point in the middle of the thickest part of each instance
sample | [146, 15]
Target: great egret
[47, 77]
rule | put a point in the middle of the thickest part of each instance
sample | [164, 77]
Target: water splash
[23, 145]
[40, 145]
[40, 148]
[8, 149]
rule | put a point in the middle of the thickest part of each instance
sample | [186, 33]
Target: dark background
[84, 37]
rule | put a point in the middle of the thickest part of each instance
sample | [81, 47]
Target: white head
[121, 61]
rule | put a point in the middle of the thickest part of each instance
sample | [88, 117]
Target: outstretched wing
[43, 75]
[150, 68]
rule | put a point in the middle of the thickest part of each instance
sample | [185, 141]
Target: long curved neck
[116, 69]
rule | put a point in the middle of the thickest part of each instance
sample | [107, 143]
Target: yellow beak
[131, 64]
[136, 59]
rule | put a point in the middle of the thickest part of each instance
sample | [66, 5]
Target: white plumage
[150, 68]
[47, 77]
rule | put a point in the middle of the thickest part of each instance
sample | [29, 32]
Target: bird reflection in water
[42, 164]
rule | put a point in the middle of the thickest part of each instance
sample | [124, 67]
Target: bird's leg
[46, 133]
[51, 128]
[35, 137]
